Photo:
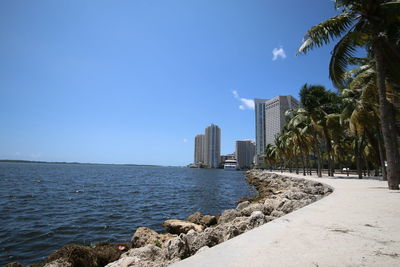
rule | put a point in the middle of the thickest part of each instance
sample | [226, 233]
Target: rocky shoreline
[276, 196]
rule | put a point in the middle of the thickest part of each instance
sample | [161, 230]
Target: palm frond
[347, 3]
[342, 54]
[359, 61]
[369, 91]
[363, 78]
[326, 31]
[350, 75]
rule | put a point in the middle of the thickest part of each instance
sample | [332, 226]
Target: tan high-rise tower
[199, 149]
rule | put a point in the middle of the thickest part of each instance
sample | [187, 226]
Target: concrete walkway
[357, 225]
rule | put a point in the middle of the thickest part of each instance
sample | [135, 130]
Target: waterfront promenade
[357, 225]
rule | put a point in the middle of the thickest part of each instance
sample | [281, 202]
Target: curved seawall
[357, 225]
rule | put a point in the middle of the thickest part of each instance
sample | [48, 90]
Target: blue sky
[135, 81]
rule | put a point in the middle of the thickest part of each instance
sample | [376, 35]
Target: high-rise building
[199, 147]
[212, 146]
[260, 124]
[275, 120]
[245, 151]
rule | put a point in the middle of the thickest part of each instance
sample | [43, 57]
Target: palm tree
[320, 103]
[309, 130]
[360, 106]
[296, 128]
[270, 156]
[374, 25]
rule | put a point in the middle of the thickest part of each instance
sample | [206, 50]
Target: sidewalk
[357, 225]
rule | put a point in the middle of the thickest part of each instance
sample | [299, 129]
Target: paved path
[357, 225]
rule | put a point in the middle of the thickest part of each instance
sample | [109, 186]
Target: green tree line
[359, 125]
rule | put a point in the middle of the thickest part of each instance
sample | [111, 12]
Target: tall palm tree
[270, 156]
[360, 100]
[374, 25]
[320, 103]
[295, 127]
[309, 130]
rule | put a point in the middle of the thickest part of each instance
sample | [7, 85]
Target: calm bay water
[45, 206]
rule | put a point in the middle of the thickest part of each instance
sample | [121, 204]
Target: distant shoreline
[76, 163]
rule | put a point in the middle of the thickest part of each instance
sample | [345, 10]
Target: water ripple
[45, 206]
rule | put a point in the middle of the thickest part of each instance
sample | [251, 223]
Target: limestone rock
[242, 205]
[149, 253]
[236, 227]
[256, 219]
[195, 241]
[228, 215]
[195, 218]
[277, 213]
[291, 205]
[177, 248]
[251, 208]
[179, 226]
[208, 220]
[125, 262]
[214, 235]
[270, 205]
[296, 195]
[145, 236]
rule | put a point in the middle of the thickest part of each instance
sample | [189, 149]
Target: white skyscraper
[199, 149]
[275, 120]
[260, 125]
[212, 146]
[245, 151]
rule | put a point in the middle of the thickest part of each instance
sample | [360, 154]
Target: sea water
[45, 206]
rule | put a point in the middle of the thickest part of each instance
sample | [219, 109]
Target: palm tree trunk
[308, 165]
[329, 150]
[303, 163]
[382, 155]
[367, 166]
[387, 123]
[317, 153]
[358, 156]
[362, 154]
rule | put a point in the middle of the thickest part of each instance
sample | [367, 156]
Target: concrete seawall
[357, 225]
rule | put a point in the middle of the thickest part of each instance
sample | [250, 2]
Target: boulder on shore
[228, 215]
[206, 220]
[181, 227]
[195, 218]
[146, 236]
[77, 255]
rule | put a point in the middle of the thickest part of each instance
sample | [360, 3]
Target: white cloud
[246, 103]
[278, 53]
[184, 140]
